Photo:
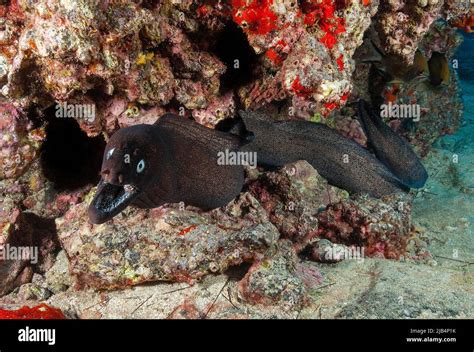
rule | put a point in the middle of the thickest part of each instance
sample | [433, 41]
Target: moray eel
[176, 160]
[341, 161]
[396, 154]
[172, 161]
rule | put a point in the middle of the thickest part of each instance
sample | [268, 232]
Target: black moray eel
[391, 149]
[172, 161]
[176, 160]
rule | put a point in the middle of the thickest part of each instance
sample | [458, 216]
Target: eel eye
[141, 166]
[109, 153]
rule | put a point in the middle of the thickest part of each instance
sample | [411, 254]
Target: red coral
[330, 106]
[186, 230]
[255, 16]
[273, 56]
[328, 40]
[340, 63]
[41, 311]
[323, 13]
[281, 43]
[203, 10]
[273, 53]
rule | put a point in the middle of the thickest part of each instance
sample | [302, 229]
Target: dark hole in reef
[43, 236]
[69, 158]
[150, 4]
[98, 93]
[238, 272]
[377, 83]
[231, 44]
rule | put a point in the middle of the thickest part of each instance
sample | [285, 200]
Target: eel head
[125, 172]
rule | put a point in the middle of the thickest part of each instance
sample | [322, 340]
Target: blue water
[446, 209]
[465, 135]
[462, 142]
[465, 57]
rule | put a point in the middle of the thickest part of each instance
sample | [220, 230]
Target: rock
[377, 227]
[403, 24]
[163, 244]
[31, 291]
[57, 278]
[372, 288]
[292, 197]
[19, 143]
[274, 280]
[27, 244]
[324, 251]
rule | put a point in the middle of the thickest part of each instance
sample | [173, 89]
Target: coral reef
[279, 279]
[403, 89]
[401, 25]
[292, 197]
[382, 227]
[164, 244]
[20, 142]
[304, 55]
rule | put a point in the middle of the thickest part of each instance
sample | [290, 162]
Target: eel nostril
[120, 178]
[105, 174]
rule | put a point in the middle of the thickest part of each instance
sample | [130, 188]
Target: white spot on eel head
[109, 153]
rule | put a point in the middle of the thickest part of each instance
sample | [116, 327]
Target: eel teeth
[129, 188]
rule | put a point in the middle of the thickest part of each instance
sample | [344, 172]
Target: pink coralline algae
[381, 227]
[292, 197]
[73, 48]
[19, 143]
[402, 24]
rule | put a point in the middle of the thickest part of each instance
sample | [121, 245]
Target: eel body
[176, 160]
[394, 152]
[341, 161]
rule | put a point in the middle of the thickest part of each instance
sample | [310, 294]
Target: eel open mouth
[110, 200]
